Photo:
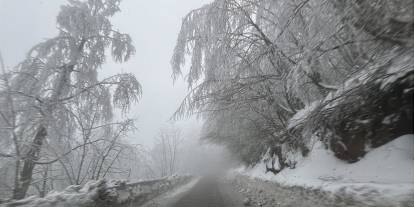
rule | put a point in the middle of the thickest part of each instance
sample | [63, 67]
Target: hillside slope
[385, 173]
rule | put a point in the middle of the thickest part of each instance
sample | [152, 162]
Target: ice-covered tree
[255, 63]
[165, 152]
[39, 97]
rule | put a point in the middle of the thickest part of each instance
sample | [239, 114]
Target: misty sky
[153, 26]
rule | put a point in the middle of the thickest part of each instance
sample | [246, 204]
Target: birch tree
[59, 73]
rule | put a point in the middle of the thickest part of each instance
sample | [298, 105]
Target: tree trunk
[43, 190]
[29, 164]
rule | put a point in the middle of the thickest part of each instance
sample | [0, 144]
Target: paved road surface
[207, 192]
[212, 192]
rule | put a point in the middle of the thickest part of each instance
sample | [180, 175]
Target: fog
[244, 102]
[153, 26]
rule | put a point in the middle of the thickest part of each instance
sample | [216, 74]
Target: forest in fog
[266, 78]
[270, 77]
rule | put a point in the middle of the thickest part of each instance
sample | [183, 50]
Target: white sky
[153, 26]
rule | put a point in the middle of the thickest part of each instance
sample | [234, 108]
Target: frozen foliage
[165, 152]
[384, 176]
[267, 75]
[103, 193]
[396, 69]
[302, 114]
[369, 110]
[53, 103]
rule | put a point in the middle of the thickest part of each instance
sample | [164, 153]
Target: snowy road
[215, 192]
[209, 192]
[205, 192]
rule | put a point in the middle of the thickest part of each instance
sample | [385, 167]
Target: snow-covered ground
[104, 193]
[385, 174]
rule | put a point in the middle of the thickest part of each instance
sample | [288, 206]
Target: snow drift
[103, 193]
[386, 171]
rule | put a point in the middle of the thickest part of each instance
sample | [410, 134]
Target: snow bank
[387, 170]
[74, 195]
[103, 193]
